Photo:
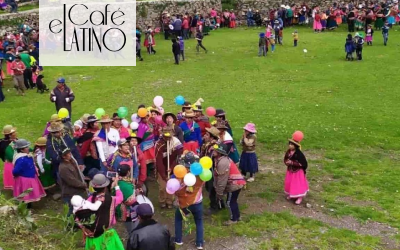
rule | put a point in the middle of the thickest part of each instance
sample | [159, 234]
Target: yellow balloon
[63, 113]
[206, 162]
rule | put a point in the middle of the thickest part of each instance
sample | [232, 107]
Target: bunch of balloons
[201, 169]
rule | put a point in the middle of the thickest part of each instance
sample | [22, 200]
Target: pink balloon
[158, 119]
[298, 136]
[161, 109]
[210, 111]
[169, 191]
[158, 101]
[173, 185]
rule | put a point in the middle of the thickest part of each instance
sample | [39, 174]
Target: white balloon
[125, 123]
[189, 179]
[135, 118]
[134, 125]
[305, 51]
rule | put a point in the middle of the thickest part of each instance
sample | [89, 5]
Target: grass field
[348, 112]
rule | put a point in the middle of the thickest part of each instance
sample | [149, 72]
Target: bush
[229, 4]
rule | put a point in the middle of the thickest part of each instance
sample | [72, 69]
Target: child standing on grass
[261, 45]
[176, 50]
[272, 42]
[248, 159]
[280, 38]
[268, 30]
[199, 38]
[277, 27]
[138, 49]
[359, 41]
[369, 34]
[349, 47]
[295, 38]
[182, 48]
[385, 33]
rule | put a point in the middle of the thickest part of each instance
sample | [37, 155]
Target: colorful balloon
[189, 179]
[142, 112]
[180, 171]
[134, 125]
[206, 162]
[196, 168]
[135, 118]
[63, 113]
[125, 123]
[158, 101]
[173, 185]
[298, 136]
[99, 112]
[206, 175]
[122, 112]
[169, 191]
[179, 100]
[210, 111]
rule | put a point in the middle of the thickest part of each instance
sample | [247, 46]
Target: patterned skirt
[296, 184]
[248, 163]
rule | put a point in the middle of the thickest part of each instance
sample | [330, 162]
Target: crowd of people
[103, 167]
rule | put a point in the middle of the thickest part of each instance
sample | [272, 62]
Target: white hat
[80, 204]
[78, 123]
[171, 27]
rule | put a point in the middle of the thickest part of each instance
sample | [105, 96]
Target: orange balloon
[142, 112]
[180, 171]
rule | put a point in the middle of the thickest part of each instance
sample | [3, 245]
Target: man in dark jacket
[63, 96]
[149, 234]
[176, 50]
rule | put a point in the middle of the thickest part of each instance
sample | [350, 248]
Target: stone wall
[149, 12]
[10, 22]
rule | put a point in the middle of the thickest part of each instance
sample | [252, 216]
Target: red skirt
[232, 24]
[149, 155]
[191, 146]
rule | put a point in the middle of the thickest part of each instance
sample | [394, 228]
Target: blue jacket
[177, 24]
[189, 135]
[117, 161]
[24, 167]
[54, 146]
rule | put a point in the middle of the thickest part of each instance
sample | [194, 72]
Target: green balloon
[99, 112]
[122, 112]
[206, 175]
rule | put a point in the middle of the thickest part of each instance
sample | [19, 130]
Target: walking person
[27, 60]
[176, 50]
[18, 68]
[385, 33]
[199, 38]
[62, 96]
[261, 45]
[182, 47]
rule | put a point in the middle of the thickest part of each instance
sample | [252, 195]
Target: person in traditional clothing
[220, 115]
[317, 22]
[53, 118]
[25, 174]
[43, 163]
[116, 124]
[170, 119]
[145, 133]
[100, 235]
[369, 35]
[125, 183]
[86, 145]
[7, 154]
[155, 119]
[331, 23]
[379, 19]
[232, 20]
[227, 179]
[201, 119]
[168, 151]
[351, 20]
[226, 138]
[296, 184]
[248, 159]
[71, 181]
[181, 118]
[191, 133]
[137, 154]
[56, 142]
[106, 142]
[190, 200]
[210, 138]
[123, 156]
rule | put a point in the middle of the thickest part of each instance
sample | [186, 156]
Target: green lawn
[348, 112]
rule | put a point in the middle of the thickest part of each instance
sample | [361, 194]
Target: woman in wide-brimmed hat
[156, 120]
[226, 138]
[137, 154]
[146, 133]
[25, 175]
[181, 115]
[7, 154]
[53, 118]
[248, 159]
[170, 120]
[87, 148]
[296, 184]
[220, 116]
[191, 133]
[100, 235]
[43, 163]
[106, 142]
[117, 124]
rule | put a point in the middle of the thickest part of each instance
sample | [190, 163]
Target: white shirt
[106, 150]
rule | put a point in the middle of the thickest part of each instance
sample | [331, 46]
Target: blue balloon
[179, 100]
[173, 176]
[196, 168]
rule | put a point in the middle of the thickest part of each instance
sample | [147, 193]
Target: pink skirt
[296, 184]
[268, 34]
[24, 183]
[317, 25]
[368, 38]
[8, 178]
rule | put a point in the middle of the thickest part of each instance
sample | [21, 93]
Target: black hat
[134, 135]
[165, 115]
[116, 117]
[92, 118]
[189, 158]
[219, 112]
[221, 148]
[123, 169]
[144, 209]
